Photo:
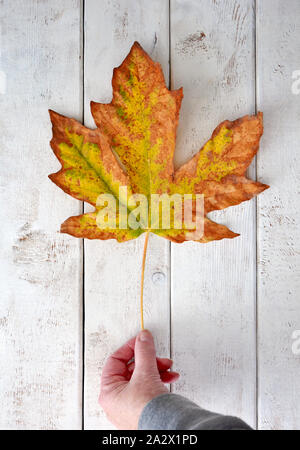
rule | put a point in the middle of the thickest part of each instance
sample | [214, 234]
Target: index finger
[115, 369]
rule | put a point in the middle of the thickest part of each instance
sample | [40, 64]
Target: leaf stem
[142, 279]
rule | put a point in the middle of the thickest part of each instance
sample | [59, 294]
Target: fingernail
[145, 336]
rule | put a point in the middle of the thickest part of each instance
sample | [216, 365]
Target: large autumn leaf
[133, 147]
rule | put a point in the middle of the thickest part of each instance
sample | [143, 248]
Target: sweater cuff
[174, 412]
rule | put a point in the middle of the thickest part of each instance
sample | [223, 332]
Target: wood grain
[213, 285]
[41, 270]
[278, 31]
[113, 270]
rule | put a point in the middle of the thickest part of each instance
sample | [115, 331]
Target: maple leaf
[133, 147]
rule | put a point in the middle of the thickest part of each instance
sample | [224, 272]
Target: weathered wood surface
[278, 33]
[213, 285]
[227, 310]
[41, 269]
[113, 270]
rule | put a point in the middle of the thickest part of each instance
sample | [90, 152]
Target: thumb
[145, 354]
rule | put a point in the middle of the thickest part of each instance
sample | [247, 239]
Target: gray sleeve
[174, 412]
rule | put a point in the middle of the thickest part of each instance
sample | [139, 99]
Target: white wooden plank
[213, 285]
[278, 34]
[40, 275]
[112, 270]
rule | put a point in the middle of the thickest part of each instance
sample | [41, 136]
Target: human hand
[127, 386]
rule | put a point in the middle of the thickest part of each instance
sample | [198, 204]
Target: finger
[162, 364]
[145, 354]
[169, 377]
[115, 368]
